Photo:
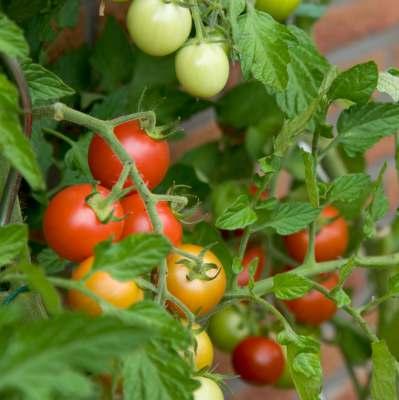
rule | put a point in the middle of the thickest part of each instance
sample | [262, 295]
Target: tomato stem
[199, 28]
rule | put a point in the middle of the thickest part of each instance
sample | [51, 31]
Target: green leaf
[167, 375]
[37, 281]
[311, 179]
[68, 15]
[306, 73]
[222, 195]
[383, 383]
[305, 370]
[112, 55]
[290, 286]
[345, 271]
[131, 257]
[287, 218]
[238, 216]
[51, 261]
[394, 284]
[389, 84]
[51, 358]
[341, 297]
[13, 144]
[360, 127]
[12, 41]
[13, 239]
[356, 84]
[233, 112]
[263, 46]
[43, 84]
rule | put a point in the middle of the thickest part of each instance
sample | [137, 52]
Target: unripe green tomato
[227, 328]
[202, 69]
[215, 35]
[278, 9]
[158, 28]
[209, 390]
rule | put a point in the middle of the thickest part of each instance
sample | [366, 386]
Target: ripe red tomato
[71, 227]
[151, 156]
[137, 219]
[331, 240]
[119, 294]
[200, 296]
[250, 254]
[259, 360]
[314, 308]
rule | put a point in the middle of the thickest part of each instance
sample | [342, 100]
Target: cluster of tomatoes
[160, 28]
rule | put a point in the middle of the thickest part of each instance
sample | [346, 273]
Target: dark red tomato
[137, 219]
[71, 227]
[259, 360]
[151, 156]
[250, 254]
[331, 240]
[314, 308]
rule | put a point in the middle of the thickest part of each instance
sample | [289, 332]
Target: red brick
[346, 23]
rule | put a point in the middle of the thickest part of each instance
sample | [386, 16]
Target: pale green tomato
[202, 69]
[158, 28]
[208, 390]
[278, 9]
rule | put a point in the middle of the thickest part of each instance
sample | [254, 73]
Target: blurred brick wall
[351, 32]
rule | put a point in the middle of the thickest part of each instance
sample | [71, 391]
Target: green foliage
[290, 286]
[237, 216]
[13, 239]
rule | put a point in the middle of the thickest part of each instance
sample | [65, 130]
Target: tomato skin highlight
[158, 28]
[314, 308]
[71, 227]
[152, 157]
[200, 296]
[202, 69]
[204, 353]
[209, 390]
[259, 360]
[331, 241]
[137, 219]
[250, 254]
[227, 328]
[120, 294]
[278, 9]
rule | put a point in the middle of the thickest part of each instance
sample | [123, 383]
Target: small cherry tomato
[199, 295]
[71, 227]
[209, 390]
[227, 328]
[278, 9]
[137, 219]
[331, 240]
[314, 308]
[202, 69]
[119, 294]
[250, 254]
[157, 27]
[259, 360]
[204, 353]
[151, 156]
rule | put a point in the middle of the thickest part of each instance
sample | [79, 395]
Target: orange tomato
[119, 294]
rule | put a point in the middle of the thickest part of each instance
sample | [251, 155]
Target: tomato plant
[155, 157]
[259, 360]
[72, 228]
[157, 27]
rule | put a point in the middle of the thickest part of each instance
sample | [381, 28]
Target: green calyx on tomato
[228, 327]
[278, 9]
[157, 27]
[202, 68]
